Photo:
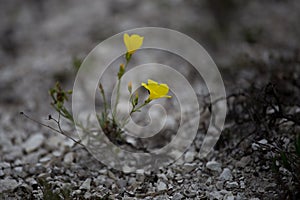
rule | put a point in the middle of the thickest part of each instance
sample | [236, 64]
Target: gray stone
[188, 167]
[69, 157]
[215, 195]
[243, 162]
[87, 195]
[162, 176]
[177, 196]
[219, 185]
[254, 146]
[8, 185]
[170, 174]
[232, 185]
[190, 193]
[111, 175]
[14, 153]
[33, 142]
[86, 185]
[161, 186]
[263, 141]
[214, 166]
[226, 175]
[189, 156]
[55, 141]
[45, 159]
[122, 183]
[208, 181]
[229, 196]
[242, 184]
[56, 153]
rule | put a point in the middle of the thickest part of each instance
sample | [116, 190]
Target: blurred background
[42, 40]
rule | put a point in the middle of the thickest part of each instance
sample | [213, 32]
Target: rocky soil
[256, 47]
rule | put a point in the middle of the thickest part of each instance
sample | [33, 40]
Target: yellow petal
[145, 86]
[157, 90]
[126, 39]
[132, 42]
[151, 82]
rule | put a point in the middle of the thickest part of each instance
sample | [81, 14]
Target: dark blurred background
[40, 39]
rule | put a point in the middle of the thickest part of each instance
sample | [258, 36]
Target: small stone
[232, 185]
[190, 193]
[170, 174]
[13, 153]
[140, 171]
[103, 171]
[229, 196]
[189, 157]
[56, 153]
[254, 146]
[263, 141]
[170, 123]
[180, 181]
[177, 196]
[8, 185]
[108, 182]
[19, 172]
[45, 159]
[240, 196]
[208, 181]
[242, 185]
[188, 167]
[122, 183]
[69, 143]
[86, 185]
[243, 162]
[33, 143]
[161, 186]
[54, 141]
[126, 169]
[76, 192]
[226, 175]
[219, 185]
[111, 175]
[215, 195]
[214, 166]
[162, 176]
[87, 195]
[271, 186]
[69, 157]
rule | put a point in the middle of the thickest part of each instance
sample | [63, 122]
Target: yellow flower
[156, 90]
[132, 42]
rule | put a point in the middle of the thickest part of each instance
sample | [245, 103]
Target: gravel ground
[251, 42]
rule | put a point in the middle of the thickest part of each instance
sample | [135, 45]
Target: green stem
[134, 110]
[138, 108]
[118, 92]
[104, 99]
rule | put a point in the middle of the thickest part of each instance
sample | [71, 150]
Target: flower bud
[121, 71]
[136, 99]
[130, 87]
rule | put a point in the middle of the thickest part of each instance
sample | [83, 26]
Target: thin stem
[104, 99]
[58, 124]
[134, 110]
[118, 92]
[139, 107]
